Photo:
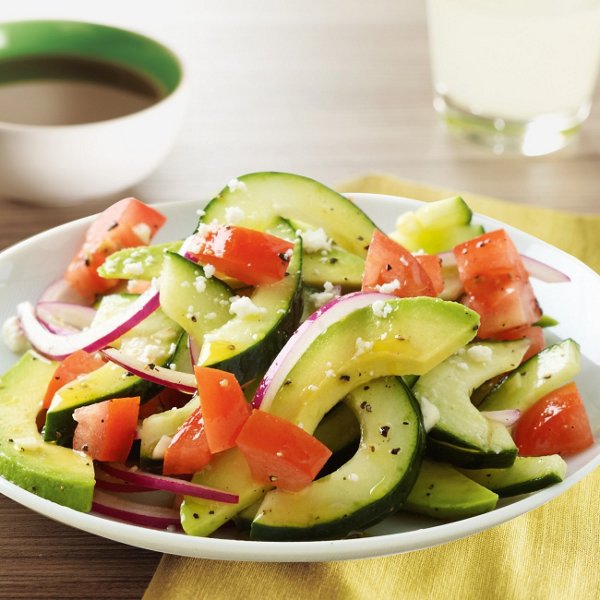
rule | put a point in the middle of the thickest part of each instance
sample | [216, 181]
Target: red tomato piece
[534, 334]
[224, 407]
[125, 224]
[388, 262]
[280, 453]
[555, 424]
[106, 430]
[76, 364]
[496, 283]
[188, 451]
[250, 256]
[433, 267]
[492, 253]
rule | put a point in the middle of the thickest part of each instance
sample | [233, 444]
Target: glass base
[542, 135]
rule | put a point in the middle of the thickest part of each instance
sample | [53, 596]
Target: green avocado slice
[52, 472]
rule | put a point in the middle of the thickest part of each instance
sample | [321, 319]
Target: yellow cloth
[551, 553]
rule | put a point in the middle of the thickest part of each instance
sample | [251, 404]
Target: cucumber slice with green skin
[155, 426]
[436, 226]
[142, 262]
[372, 484]
[546, 321]
[197, 303]
[442, 492]
[264, 196]
[339, 428]
[154, 340]
[541, 374]
[48, 470]
[449, 387]
[416, 334]
[528, 474]
[246, 345]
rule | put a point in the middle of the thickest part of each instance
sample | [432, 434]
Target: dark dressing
[70, 90]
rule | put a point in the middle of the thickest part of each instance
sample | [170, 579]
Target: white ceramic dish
[24, 273]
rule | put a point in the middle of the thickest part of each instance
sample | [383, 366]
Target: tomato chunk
[224, 407]
[250, 256]
[78, 363]
[555, 424]
[125, 224]
[433, 267]
[389, 264]
[496, 283]
[106, 430]
[188, 451]
[534, 334]
[279, 452]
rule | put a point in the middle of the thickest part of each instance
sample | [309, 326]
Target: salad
[290, 368]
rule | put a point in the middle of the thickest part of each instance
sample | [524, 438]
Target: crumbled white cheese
[381, 309]
[151, 353]
[209, 271]
[161, 446]
[352, 477]
[243, 307]
[430, 412]
[224, 383]
[235, 184]
[233, 215]
[210, 316]
[13, 335]
[312, 388]
[143, 231]
[330, 292]
[362, 346]
[185, 283]
[314, 240]
[480, 354]
[330, 373]
[388, 288]
[149, 260]
[200, 284]
[133, 268]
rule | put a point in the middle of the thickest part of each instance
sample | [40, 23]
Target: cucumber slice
[197, 303]
[261, 197]
[443, 492]
[155, 426]
[154, 340]
[536, 377]
[528, 474]
[373, 483]
[246, 345]
[449, 387]
[436, 226]
[142, 262]
[416, 334]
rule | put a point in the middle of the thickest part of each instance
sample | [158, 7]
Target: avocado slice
[52, 472]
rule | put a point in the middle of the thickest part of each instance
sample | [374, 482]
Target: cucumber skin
[366, 516]
[443, 450]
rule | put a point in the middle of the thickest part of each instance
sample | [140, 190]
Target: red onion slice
[147, 515]
[507, 417]
[63, 317]
[535, 268]
[61, 291]
[168, 484]
[304, 336]
[184, 382]
[58, 346]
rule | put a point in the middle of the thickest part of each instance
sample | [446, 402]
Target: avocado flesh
[52, 472]
[419, 334]
[442, 492]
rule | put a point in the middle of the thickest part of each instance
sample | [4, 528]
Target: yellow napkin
[551, 553]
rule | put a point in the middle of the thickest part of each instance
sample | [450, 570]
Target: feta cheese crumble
[243, 307]
[314, 240]
[235, 184]
[480, 354]
[133, 268]
[143, 231]
[330, 292]
[362, 346]
[200, 284]
[388, 288]
[14, 336]
[233, 215]
[209, 271]
[381, 309]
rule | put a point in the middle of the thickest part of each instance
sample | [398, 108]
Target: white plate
[26, 268]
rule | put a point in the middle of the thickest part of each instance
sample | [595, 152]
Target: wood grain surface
[331, 90]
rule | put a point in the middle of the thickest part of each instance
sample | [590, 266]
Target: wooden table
[331, 90]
